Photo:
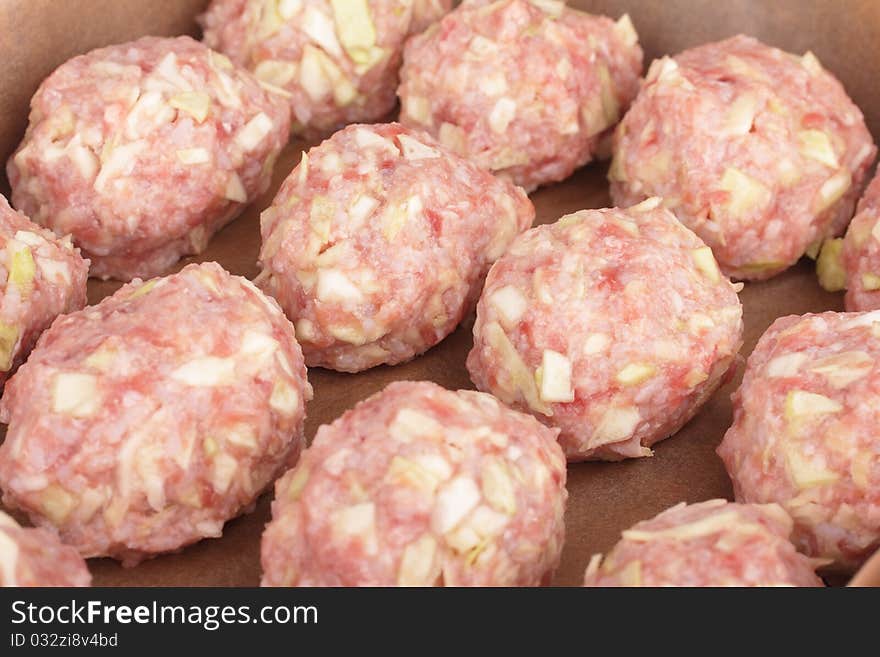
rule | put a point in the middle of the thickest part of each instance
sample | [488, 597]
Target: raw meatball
[142, 151]
[42, 277]
[714, 543]
[35, 557]
[612, 325]
[420, 486]
[336, 60]
[805, 432]
[759, 152]
[378, 242]
[526, 89]
[144, 423]
[861, 253]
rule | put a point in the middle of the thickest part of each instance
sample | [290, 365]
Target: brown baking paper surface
[604, 498]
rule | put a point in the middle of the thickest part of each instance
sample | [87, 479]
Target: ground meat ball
[420, 486]
[861, 253]
[526, 89]
[761, 153]
[144, 423]
[41, 277]
[35, 557]
[714, 543]
[142, 151]
[613, 325]
[337, 60]
[378, 242]
[805, 431]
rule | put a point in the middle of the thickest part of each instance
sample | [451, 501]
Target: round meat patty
[42, 276]
[421, 486]
[35, 557]
[805, 432]
[142, 151]
[759, 152]
[714, 543]
[525, 89]
[612, 325]
[144, 423]
[337, 61]
[378, 242]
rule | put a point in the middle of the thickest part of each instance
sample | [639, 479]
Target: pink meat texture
[759, 152]
[713, 543]
[35, 557]
[613, 325]
[526, 89]
[41, 277]
[421, 486]
[805, 432]
[378, 242]
[142, 151]
[861, 253]
[336, 61]
[144, 423]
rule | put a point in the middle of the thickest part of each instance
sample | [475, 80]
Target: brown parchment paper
[605, 498]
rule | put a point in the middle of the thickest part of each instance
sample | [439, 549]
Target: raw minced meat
[35, 557]
[337, 61]
[860, 252]
[144, 423]
[142, 151]
[613, 325]
[378, 242]
[41, 276]
[805, 432]
[421, 486]
[759, 152]
[713, 543]
[426, 12]
[526, 89]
